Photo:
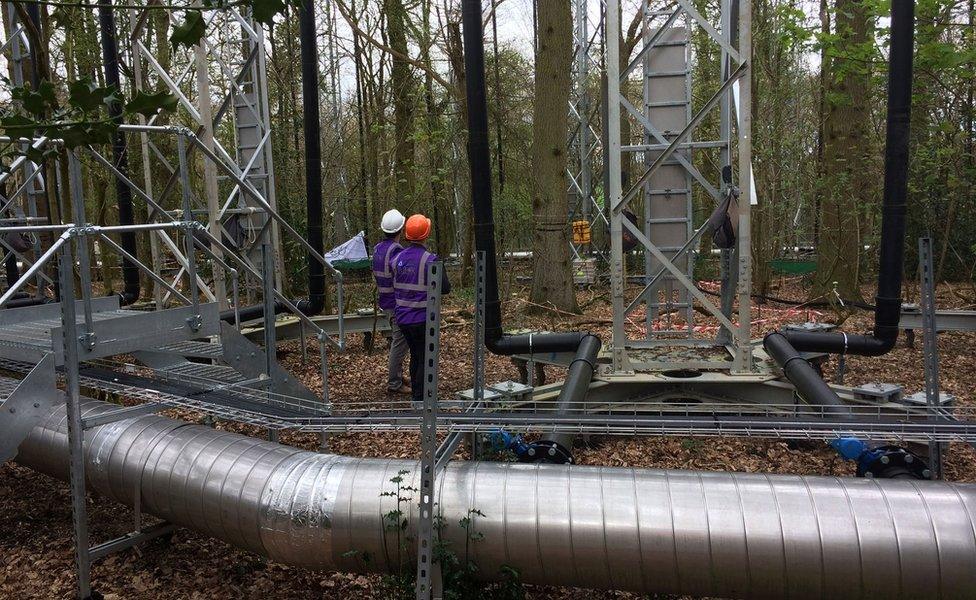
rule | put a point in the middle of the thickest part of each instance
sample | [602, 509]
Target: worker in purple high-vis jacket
[384, 254]
[410, 291]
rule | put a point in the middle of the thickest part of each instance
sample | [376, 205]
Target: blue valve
[882, 461]
[850, 448]
[503, 440]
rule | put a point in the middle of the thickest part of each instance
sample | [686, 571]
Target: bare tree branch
[385, 48]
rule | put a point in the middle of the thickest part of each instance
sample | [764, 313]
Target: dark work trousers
[415, 336]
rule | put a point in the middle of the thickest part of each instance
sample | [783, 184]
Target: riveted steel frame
[427, 574]
[228, 87]
[583, 169]
[21, 206]
[926, 275]
[735, 53]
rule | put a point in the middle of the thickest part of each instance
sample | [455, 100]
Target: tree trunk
[456, 57]
[440, 204]
[850, 184]
[552, 282]
[402, 80]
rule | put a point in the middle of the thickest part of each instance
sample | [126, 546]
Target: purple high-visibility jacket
[383, 256]
[410, 284]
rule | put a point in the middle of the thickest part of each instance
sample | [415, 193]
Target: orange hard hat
[417, 228]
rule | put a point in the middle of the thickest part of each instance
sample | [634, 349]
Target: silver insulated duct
[698, 533]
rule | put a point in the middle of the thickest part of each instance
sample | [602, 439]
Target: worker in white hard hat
[384, 255]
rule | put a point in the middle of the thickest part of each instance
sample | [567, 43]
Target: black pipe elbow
[841, 343]
[310, 306]
[808, 383]
[128, 295]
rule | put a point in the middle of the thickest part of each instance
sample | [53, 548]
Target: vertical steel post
[270, 344]
[742, 361]
[479, 345]
[260, 86]
[76, 434]
[428, 435]
[136, 64]
[479, 327]
[729, 270]
[930, 347]
[613, 198]
[84, 258]
[211, 189]
[652, 306]
[324, 358]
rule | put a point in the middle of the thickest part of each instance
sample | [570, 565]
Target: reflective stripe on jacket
[410, 284]
[384, 254]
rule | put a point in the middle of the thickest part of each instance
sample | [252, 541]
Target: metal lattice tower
[221, 83]
[22, 186]
[666, 235]
[668, 211]
[585, 143]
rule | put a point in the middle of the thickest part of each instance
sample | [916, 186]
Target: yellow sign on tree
[581, 232]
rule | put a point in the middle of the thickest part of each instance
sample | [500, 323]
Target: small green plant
[459, 574]
[396, 519]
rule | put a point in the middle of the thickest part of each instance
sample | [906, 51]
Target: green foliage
[459, 574]
[190, 31]
[81, 120]
[264, 11]
[148, 105]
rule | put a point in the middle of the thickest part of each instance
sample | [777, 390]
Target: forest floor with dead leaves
[36, 551]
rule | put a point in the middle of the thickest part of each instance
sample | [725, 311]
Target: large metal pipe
[683, 532]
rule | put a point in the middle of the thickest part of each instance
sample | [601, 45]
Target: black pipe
[313, 159]
[808, 383]
[28, 301]
[479, 161]
[120, 154]
[784, 347]
[887, 311]
[577, 383]
[586, 345]
[315, 302]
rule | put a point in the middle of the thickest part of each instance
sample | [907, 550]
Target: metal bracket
[926, 274]
[26, 406]
[195, 322]
[252, 361]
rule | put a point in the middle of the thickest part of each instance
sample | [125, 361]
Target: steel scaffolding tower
[22, 187]
[585, 143]
[221, 84]
[666, 235]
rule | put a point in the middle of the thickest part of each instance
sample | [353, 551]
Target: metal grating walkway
[35, 336]
[194, 349]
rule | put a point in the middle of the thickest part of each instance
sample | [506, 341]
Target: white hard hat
[392, 221]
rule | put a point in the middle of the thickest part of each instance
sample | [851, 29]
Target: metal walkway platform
[30, 333]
